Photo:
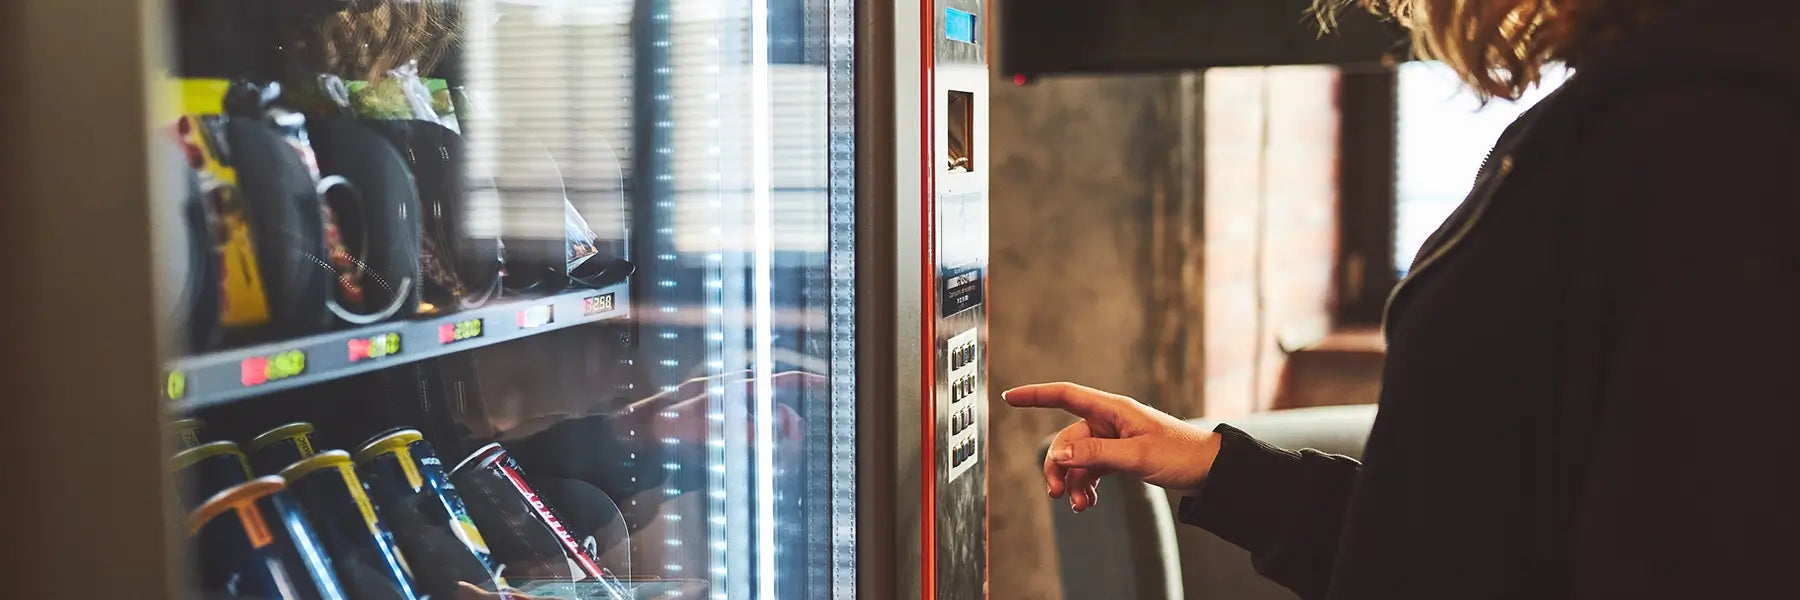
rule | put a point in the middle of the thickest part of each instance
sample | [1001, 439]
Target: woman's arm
[1286, 508]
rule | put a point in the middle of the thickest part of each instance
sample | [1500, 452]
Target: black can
[187, 433]
[277, 448]
[207, 469]
[254, 542]
[524, 530]
[363, 554]
[406, 480]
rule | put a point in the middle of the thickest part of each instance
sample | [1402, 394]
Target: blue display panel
[959, 26]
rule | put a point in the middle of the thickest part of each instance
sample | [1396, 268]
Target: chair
[1130, 547]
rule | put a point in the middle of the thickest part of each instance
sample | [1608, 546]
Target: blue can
[277, 448]
[363, 553]
[406, 480]
[207, 469]
[254, 542]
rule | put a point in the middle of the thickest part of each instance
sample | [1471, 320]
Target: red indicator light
[1019, 79]
[446, 333]
[254, 371]
[359, 350]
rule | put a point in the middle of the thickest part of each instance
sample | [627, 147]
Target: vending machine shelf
[203, 380]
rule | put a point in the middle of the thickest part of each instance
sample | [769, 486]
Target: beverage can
[254, 542]
[367, 562]
[279, 447]
[431, 524]
[187, 432]
[207, 469]
[527, 535]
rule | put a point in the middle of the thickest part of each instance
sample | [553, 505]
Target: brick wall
[1270, 227]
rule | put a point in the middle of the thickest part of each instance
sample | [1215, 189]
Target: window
[1443, 135]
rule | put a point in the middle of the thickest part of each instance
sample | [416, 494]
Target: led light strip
[762, 203]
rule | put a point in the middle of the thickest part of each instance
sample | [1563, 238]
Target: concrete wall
[1078, 165]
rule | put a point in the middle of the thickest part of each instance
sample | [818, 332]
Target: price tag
[258, 370]
[536, 316]
[373, 347]
[459, 331]
[593, 305]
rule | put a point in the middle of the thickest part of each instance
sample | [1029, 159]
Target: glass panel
[539, 298]
[1444, 134]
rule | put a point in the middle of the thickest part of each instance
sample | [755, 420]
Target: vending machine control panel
[957, 197]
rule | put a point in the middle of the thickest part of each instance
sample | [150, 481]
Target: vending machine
[446, 299]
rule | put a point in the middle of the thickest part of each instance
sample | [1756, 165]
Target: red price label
[459, 331]
[387, 344]
[258, 370]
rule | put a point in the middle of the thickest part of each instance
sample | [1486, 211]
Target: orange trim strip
[928, 208]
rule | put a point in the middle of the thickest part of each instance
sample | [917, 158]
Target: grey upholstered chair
[1131, 548]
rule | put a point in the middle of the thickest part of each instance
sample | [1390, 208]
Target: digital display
[373, 347]
[536, 316]
[959, 26]
[175, 386]
[594, 305]
[258, 370]
[459, 331]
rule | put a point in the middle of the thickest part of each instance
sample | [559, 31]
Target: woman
[1587, 391]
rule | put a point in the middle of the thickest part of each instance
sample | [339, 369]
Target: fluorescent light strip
[762, 203]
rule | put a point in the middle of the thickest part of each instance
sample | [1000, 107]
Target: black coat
[1590, 387]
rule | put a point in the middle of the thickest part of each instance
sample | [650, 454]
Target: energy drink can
[526, 535]
[207, 469]
[187, 433]
[255, 543]
[406, 480]
[279, 447]
[363, 554]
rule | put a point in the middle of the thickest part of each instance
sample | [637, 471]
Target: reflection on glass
[552, 281]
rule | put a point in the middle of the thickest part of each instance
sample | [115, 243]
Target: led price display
[459, 331]
[536, 316]
[373, 347]
[593, 305]
[175, 386]
[258, 370]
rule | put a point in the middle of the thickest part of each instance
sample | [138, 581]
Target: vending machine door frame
[88, 504]
[890, 284]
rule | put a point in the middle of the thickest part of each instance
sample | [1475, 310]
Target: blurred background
[1228, 238]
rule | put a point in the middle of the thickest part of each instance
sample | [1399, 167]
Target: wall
[1270, 227]
[1153, 236]
[1081, 167]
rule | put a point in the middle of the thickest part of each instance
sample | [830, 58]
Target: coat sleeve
[1693, 490]
[1285, 507]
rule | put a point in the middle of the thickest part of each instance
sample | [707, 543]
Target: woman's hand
[1116, 434]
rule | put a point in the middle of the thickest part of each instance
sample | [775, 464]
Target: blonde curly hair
[1500, 47]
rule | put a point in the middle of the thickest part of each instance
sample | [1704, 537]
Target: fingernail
[1061, 453]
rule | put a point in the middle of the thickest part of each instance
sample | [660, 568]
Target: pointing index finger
[1084, 402]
